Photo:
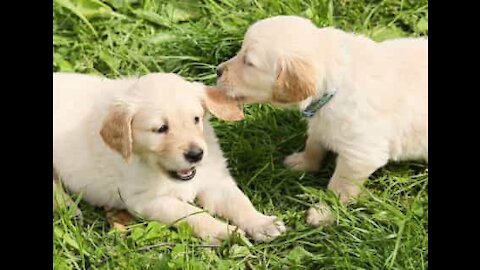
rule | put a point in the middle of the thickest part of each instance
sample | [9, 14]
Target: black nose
[195, 154]
[219, 71]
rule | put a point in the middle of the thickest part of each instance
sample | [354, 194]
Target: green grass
[386, 229]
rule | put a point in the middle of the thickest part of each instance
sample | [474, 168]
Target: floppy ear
[222, 106]
[295, 82]
[116, 131]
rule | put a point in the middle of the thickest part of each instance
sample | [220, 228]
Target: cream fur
[138, 180]
[380, 111]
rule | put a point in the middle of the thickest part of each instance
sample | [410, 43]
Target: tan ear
[295, 82]
[116, 131]
[223, 106]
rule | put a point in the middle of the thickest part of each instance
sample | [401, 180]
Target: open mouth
[183, 175]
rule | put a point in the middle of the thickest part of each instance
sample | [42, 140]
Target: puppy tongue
[184, 173]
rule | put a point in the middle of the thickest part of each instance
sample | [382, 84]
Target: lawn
[386, 229]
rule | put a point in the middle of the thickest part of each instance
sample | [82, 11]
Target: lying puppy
[366, 100]
[145, 145]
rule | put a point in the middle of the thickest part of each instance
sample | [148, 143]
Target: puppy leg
[319, 215]
[169, 210]
[228, 201]
[346, 182]
[308, 160]
[350, 174]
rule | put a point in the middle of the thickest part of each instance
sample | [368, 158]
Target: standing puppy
[145, 145]
[366, 100]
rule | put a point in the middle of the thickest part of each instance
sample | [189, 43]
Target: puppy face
[275, 64]
[161, 119]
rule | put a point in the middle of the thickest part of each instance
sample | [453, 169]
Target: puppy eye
[196, 119]
[162, 129]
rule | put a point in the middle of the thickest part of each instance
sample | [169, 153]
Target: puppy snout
[194, 154]
[220, 70]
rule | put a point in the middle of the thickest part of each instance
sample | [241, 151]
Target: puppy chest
[184, 191]
[330, 131]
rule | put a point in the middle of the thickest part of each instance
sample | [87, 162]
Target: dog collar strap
[316, 105]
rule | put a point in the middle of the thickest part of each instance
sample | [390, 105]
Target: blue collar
[311, 109]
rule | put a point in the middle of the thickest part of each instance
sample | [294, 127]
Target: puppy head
[277, 63]
[161, 119]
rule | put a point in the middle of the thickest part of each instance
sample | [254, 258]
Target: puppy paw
[319, 215]
[299, 162]
[346, 191]
[264, 228]
[219, 232]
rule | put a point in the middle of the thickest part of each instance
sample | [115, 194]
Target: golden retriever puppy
[145, 144]
[365, 100]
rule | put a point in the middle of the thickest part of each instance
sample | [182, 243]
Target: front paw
[320, 215]
[300, 162]
[346, 191]
[264, 228]
[216, 233]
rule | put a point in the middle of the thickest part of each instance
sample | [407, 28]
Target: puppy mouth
[183, 175]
